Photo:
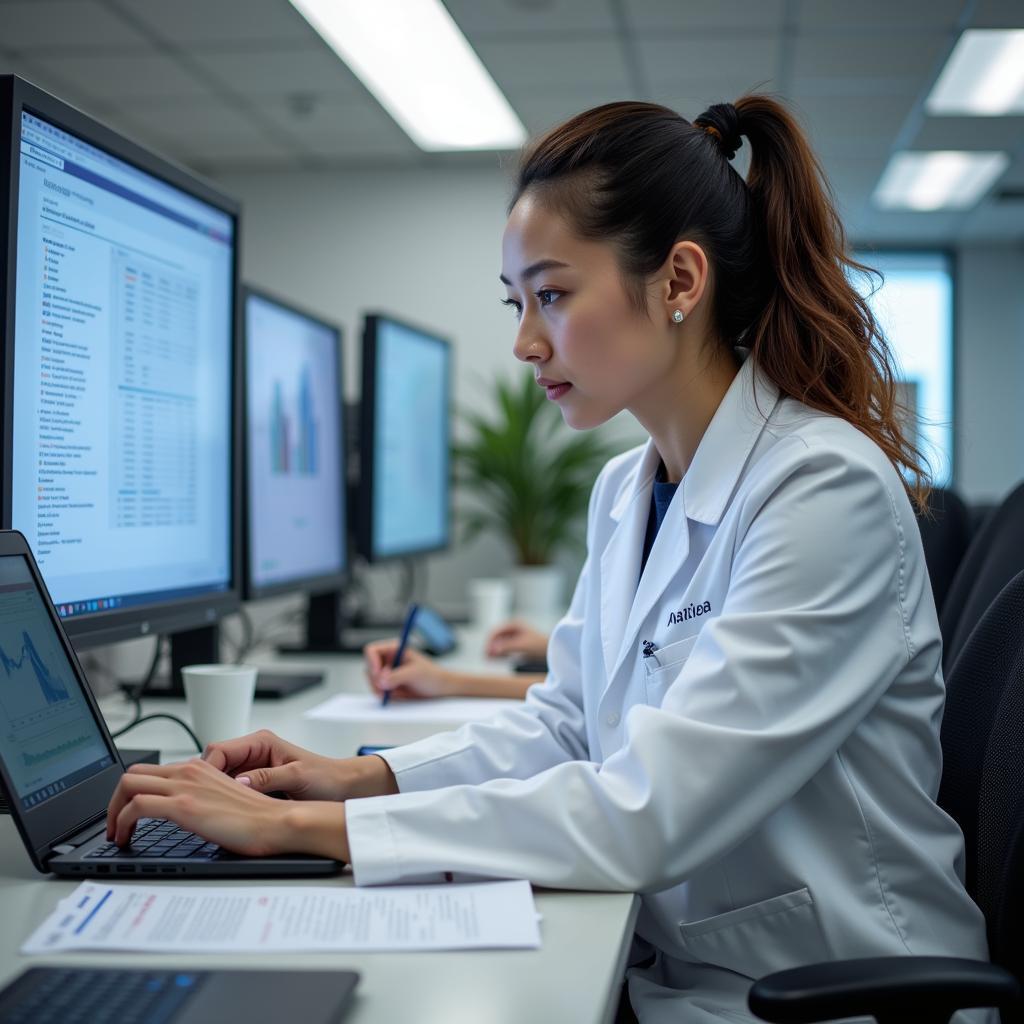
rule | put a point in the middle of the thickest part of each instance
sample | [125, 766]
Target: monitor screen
[406, 438]
[295, 450]
[121, 432]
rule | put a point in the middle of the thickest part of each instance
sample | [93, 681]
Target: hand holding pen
[400, 651]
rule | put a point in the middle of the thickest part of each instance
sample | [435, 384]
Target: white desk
[574, 976]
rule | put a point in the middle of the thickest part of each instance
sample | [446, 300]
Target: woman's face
[590, 347]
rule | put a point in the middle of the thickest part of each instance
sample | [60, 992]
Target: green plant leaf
[530, 474]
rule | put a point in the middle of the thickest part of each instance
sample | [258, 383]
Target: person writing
[741, 716]
[420, 676]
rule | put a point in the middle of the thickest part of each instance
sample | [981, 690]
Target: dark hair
[644, 178]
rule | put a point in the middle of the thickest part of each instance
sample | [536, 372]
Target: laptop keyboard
[95, 995]
[155, 837]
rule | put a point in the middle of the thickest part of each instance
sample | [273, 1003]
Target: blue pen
[406, 630]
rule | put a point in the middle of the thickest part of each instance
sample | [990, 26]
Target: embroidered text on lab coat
[691, 611]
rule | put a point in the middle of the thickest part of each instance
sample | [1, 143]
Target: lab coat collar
[722, 453]
[702, 496]
[728, 441]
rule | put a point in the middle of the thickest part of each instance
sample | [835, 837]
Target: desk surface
[574, 976]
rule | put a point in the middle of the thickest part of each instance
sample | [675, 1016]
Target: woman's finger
[130, 785]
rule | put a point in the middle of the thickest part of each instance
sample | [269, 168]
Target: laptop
[113, 995]
[59, 766]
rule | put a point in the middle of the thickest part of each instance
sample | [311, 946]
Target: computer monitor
[296, 526]
[404, 441]
[295, 523]
[120, 405]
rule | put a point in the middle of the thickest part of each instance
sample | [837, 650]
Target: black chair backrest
[983, 769]
[945, 534]
[994, 557]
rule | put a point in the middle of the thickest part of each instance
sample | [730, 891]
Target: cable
[134, 691]
[159, 714]
[245, 645]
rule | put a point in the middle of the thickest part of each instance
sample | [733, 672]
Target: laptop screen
[49, 740]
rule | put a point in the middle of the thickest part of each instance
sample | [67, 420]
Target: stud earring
[677, 316]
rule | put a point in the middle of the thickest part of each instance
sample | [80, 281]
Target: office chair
[983, 789]
[977, 515]
[993, 558]
[945, 534]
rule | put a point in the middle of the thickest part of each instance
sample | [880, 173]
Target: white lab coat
[767, 779]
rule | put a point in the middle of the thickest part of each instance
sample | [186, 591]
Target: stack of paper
[237, 919]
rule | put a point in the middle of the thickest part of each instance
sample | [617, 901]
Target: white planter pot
[539, 592]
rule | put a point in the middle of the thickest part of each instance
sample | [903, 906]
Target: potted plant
[532, 477]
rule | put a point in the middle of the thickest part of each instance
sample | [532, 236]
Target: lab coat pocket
[772, 935]
[662, 668]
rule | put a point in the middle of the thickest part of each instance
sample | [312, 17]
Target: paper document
[348, 707]
[243, 919]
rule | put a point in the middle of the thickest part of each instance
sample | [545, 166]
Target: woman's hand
[266, 763]
[418, 676]
[517, 637]
[198, 797]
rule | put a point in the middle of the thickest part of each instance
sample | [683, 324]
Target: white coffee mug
[219, 700]
[490, 603]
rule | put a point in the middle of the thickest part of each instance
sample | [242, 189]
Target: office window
[914, 306]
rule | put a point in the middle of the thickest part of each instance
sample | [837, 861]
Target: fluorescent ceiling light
[943, 180]
[419, 66]
[984, 75]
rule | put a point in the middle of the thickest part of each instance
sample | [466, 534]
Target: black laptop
[59, 766]
[115, 995]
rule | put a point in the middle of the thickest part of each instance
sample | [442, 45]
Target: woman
[741, 716]
[420, 676]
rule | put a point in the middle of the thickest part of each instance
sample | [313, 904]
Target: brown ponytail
[643, 177]
[816, 337]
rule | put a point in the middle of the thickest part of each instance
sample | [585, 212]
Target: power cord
[134, 691]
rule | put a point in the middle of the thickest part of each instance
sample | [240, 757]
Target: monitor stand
[202, 647]
[199, 646]
[325, 628]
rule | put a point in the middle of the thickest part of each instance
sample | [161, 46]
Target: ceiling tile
[498, 18]
[209, 130]
[881, 14]
[49, 24]
[335, 128]
[48, 80]
[143, 75]
[646, 16]
[540, 110]
[690, 99]
[210, 118]
[999, 133]
[998, 14]
[224, 21]
[846, 124]
[718, 68]
[870, 55]
[310, 69]
[557, 64]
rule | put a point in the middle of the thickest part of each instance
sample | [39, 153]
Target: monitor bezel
[365, 540]
[176, 613]
[323, 582]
